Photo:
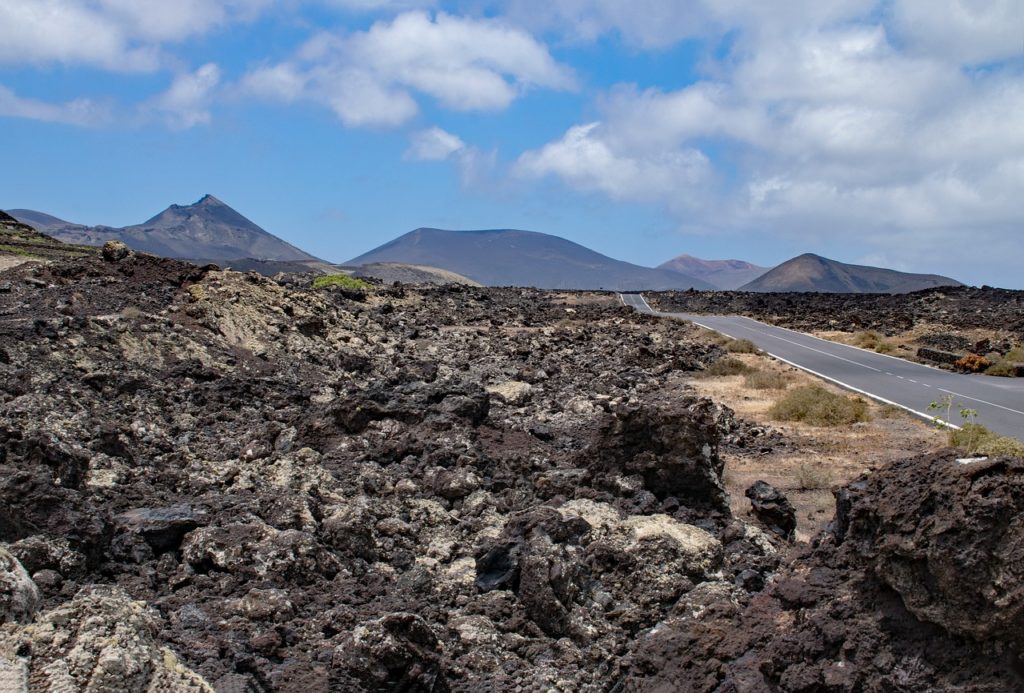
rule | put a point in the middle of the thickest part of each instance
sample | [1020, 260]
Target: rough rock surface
[19, 596]
[1001, 310]
[99, 641]
[298, 490]
[916, 587]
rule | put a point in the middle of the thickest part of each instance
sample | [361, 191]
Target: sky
[885, 133]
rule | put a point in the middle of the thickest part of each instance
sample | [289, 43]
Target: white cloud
[371, 77]
[185, 104]
[379, 5]
[83, 112]
[117, 35]
[588, 160]
[69, 32]
[966, 31]
[840, 130]
[434, 144]
[661, 23]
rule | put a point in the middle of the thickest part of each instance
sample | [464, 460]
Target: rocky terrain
[21, 243]
[937, 326]
[956, 308]
[212, 480]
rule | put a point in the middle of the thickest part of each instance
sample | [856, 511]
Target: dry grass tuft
[869, 339]
[815, 405]
[727, 366]
[812, 477]
[766, 380]
[742, 346]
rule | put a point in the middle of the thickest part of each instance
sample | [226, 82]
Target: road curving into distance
[910, 386]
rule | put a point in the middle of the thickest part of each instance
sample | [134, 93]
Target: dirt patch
[811, 460]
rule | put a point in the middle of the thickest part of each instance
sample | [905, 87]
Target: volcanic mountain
[505, 257]
[208, 230]
[809, 272]
[724, 274]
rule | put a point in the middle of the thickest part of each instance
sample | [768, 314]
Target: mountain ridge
[207, 229]
[723, 274]
[515, 257]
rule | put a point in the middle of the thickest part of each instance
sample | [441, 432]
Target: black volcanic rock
[809, 272]
[275, 488]
[505, 257]
[771, 507]
[208, 229]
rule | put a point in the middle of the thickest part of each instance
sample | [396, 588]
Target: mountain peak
[510, 257]
[810, 272]
[724, 274]
[206, 200]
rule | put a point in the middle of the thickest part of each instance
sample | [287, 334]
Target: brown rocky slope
[248, 486]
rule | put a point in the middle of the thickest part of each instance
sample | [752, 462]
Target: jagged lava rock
[771, 507]
[948, 537]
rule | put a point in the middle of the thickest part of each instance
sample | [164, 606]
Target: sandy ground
[9, 261]
[812, 460]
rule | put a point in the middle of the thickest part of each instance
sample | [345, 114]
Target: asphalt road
[911, 386]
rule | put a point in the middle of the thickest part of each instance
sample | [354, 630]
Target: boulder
[115, 251]
[256, 550]
[512, 392]
[772, 508]
[19, 596]
[948, 537]
[672, 444]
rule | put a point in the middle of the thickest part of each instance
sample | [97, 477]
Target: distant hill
[20, 242]
[505, 257]
[811, 272]
[208, 229]
[724, 274]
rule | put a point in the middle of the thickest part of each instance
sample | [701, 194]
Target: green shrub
[14, 250]
[815, 405]
[767, 380]
[342, 280]
[975, 439]
[1015, 355]
[727, 366]
[998, 446]
[742, 346]
[1003, 369]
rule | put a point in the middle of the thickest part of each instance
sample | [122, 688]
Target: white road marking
[847, 386]
[804, 346]
[763, 330]
[975, 399]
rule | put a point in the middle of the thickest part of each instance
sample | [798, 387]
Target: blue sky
[886, 133]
